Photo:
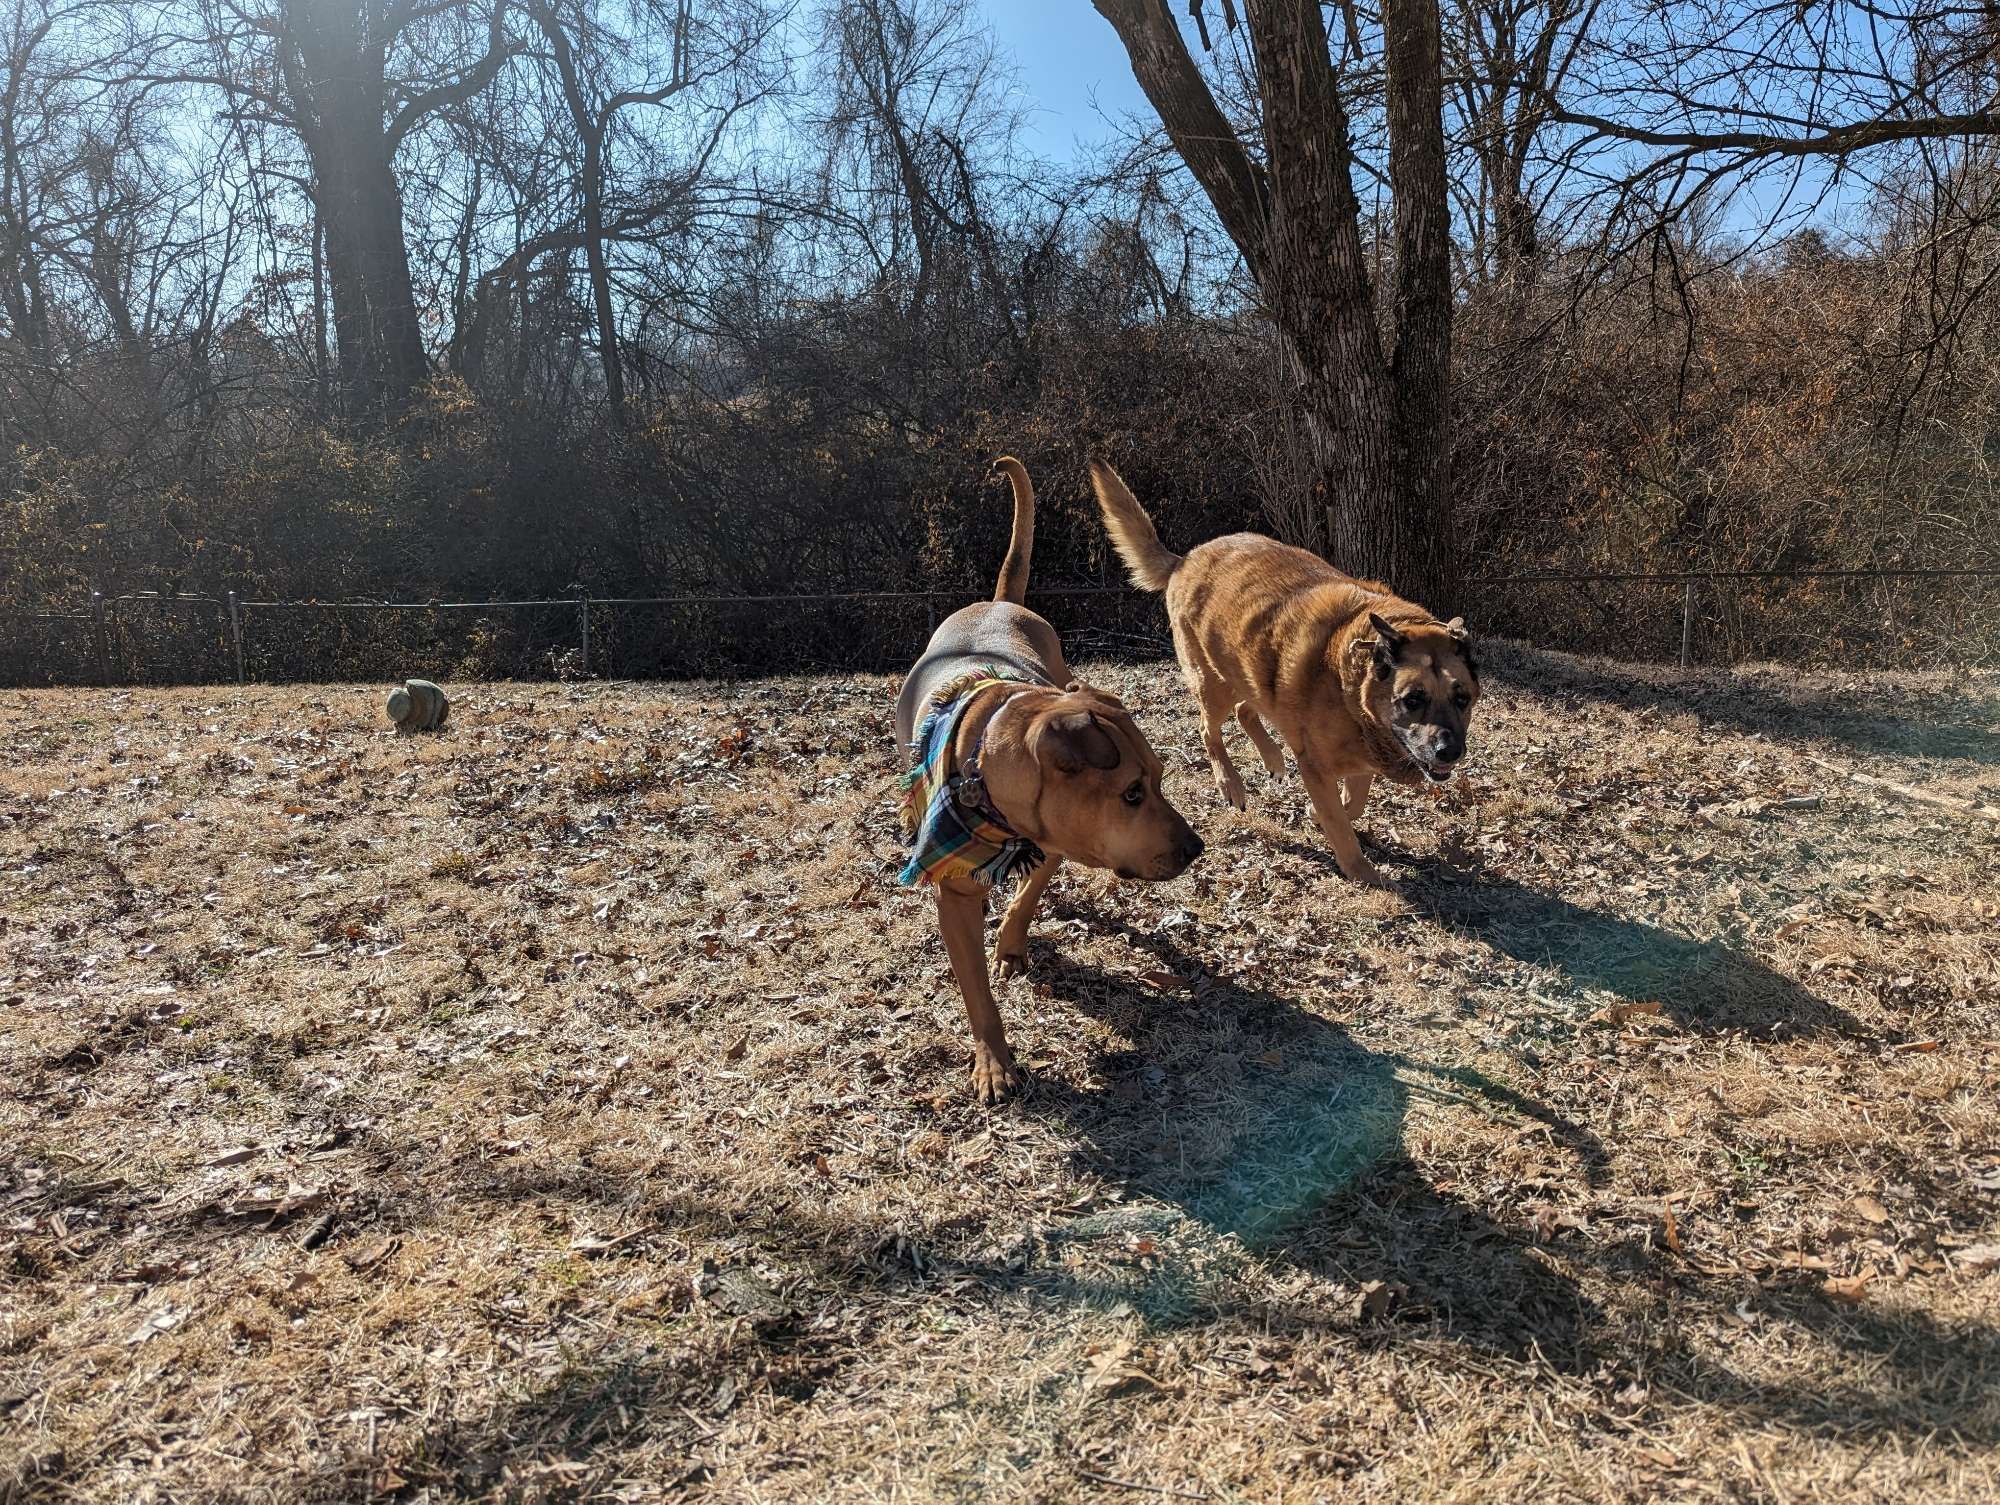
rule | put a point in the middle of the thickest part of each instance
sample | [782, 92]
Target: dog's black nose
[1450, 750]
[1192, 847]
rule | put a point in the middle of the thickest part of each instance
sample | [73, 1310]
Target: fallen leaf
[1870, 1209]
[1850, 1288]
[1619, 1013]
[1269, 1058]
[164, 1320]
[1166, 982]
[1111, 1375]
[1378, 1298]
[1673, 1231]
[1979, 1256]
[1916, 1047]
[236, 1156]
[735, 1052]
[359, 1260]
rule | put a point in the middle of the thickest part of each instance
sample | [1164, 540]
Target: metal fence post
[236, 634]
[97, 635]
[1687, 625]
[583, 617]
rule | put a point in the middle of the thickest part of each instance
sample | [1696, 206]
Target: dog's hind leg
[1267, 747]
[1217, 705]
[1010, 947]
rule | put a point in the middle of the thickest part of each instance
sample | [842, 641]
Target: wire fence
[1854, 617]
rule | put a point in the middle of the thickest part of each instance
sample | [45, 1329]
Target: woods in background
[471, 298]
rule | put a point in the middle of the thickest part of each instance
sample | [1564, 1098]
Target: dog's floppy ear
[1074, 741]
[1388, 644]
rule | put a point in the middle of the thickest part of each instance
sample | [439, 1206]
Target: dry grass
[568, 1107]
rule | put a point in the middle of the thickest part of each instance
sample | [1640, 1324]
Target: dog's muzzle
[1439, 760]
[1173, 863]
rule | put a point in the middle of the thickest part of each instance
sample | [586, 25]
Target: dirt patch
[569, 1106]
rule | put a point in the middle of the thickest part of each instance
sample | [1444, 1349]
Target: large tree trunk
[1421, 531]
[333, 59]
[1378, 422]
[374, 304]
[608, 352]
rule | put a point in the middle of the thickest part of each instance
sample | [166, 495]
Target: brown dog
[1016, 773]
[1357, 681]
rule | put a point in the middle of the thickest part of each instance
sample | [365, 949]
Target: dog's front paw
[1233, 791]
[993, 1073]
[1010, 963]
[1365, 872]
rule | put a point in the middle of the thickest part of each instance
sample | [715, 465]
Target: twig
[1417, 1084]
[1151, 1489]
[1921, 796]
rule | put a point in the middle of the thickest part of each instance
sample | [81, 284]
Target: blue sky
[1073, 72]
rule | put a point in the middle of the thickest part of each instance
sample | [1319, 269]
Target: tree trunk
[333, 71]
[1379, 424]
[1421, 529]
[608, 353]
[591, 128]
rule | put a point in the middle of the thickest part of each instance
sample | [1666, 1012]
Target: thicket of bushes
[1778, 429]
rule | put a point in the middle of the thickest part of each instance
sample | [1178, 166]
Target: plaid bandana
[952, 830]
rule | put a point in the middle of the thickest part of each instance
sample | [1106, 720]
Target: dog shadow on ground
[1304, 1166]
[1705, 986]
[1924, 724]
[1292, 1149]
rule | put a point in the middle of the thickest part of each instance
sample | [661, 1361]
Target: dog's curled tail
[1013, 582]
[1149, 562]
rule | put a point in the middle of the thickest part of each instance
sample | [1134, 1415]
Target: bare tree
[697, 55]
[1504, 59]
[1283, 186]
[353, 80]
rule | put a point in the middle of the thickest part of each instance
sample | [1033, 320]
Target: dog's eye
[1461, 698]
[1136, 795]
[1416, 700]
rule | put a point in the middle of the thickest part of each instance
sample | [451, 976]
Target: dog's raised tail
[1149, 562]
[1013, 582]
